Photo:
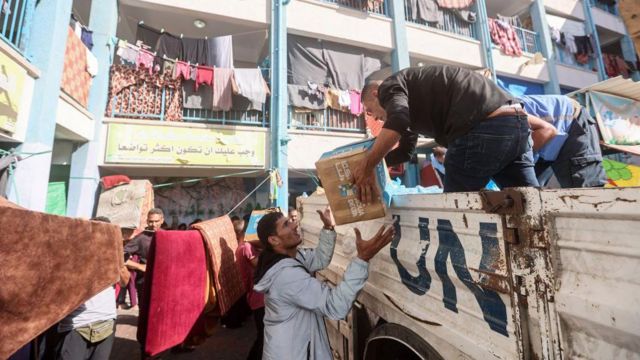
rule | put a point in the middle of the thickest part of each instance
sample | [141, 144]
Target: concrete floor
[225, 344]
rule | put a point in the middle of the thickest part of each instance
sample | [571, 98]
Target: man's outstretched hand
[367, 249]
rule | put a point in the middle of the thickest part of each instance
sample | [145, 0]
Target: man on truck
[295, 301]
[485, 132]
[574, 154]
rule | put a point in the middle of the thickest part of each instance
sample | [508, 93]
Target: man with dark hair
[294, 215]
[89, 331]
[295, 301]
[485, 132]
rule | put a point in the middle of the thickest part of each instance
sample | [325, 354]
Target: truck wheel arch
[396, 339]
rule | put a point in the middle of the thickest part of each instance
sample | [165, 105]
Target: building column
[629, 54]
[85, 176]
[539, 17]
[45, 48]
[482, 29]
[591, 29]
[400, 53]
[279, 116]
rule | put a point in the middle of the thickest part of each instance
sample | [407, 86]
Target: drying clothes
[194, 73]
[222, 89]
[251, 85]
[333, 98]
[145, 60]
[344, 98]
[301, 96]
[220, 52]
[182, 70]
[169, 67]
[128, 55]
[583, 45]
[147, 35]
[555, 35]
[197, 99]
[77, 29]
[204, 75]
[356, 102]
[195, 51]
[511, 20]
[466, 15]
[570, 43]
[169, 46]
[426, 10]
[87, 38]
[455, 4]
[505, 36]
[136, 91]
[92, 63]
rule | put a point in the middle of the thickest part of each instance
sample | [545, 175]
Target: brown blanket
[221, 245]
[50, 265]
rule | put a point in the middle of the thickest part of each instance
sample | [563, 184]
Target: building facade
[76, 106]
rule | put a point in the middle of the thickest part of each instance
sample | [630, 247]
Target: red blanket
[175, 287]
[221, 245]
[50, 265]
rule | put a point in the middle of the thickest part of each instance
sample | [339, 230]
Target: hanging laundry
[466, 15]
[251, 85]
[92, 63]
[344, 99]
[147, 35]
[356, 102]
[87, 37]
[194, 73]
[426, 10]
[182, 70]
[455, 4]
[570, 43]
[220, 52]
[169, 67]
[511, 20]
[78, 30]
[169, 46]
[197, 99]
[333, 98]
[301, 96]
[204, 75]
[222, 89]
[145, 60]
[505, 36]
[195, 50]
[583, 45]
[128, 53]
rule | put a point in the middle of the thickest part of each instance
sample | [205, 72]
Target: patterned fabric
[137, 92]
[504, 35]
[221, 245]
[76, 81]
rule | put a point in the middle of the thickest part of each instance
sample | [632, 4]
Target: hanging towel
[356, 102]
[426, 10]
[204, 75]
[128, 54]
[87, 38]
[92, 63]
[333, 98]
[220, 52]
[222, 89]
[195, 51]
[344, 98]
[182, 70]
[455, 4]
[251, 85]
[570, 43]
[145, 60]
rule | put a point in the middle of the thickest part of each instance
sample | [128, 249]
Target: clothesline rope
[251, 193]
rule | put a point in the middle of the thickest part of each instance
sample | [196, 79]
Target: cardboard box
[334, 170]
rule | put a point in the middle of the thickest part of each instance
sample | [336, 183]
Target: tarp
[620, 174]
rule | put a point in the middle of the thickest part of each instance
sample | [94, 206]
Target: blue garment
[498, 148]
[558, 110]
[87, 38]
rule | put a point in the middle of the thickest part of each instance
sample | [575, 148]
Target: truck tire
[395, 342]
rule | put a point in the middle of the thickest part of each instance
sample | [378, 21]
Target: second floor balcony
[456, 22]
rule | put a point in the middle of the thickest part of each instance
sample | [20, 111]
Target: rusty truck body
[518, 274]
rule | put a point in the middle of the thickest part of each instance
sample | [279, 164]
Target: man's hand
[135, 266]
[327, 218]
[367, 249]
[364, 180]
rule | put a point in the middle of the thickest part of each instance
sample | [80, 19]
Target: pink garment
[204, 75]
[356, 102]
[505, 36]
[222, 89]
[455, 4]
[182, 69]
[244, 253]
[145, 59]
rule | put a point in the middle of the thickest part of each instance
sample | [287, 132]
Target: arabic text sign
[12, 78]
[168, 145]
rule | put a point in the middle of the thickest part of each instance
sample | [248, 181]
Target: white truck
[517, 274]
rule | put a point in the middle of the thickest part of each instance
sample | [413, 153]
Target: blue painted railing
[375, 7]
[451, 23]
[326, 120]
[12, 21]
[528, 40]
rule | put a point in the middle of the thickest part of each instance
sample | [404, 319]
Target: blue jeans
[497, 148]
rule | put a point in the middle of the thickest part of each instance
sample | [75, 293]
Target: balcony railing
[13, 14]
[566, 58]
[375, 7]
[451, 22]
[528, 40]
[326, 120]
[612, 9]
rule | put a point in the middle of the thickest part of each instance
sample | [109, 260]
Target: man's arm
[320, 257]
[136, 266]
[363, 174]
[541, 131]
[405, 150]
[125, 276]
